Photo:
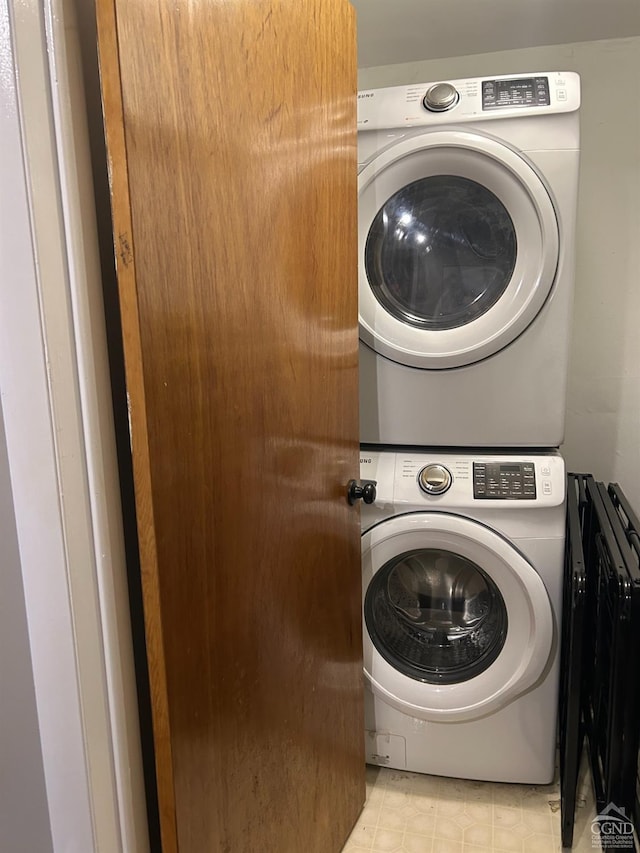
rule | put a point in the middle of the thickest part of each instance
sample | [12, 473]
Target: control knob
[434, 479]
[441, 97]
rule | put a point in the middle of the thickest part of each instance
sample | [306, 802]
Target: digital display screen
[519, 92]
[509, 481]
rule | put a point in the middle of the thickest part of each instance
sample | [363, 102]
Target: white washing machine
[467, 207]
[462, 561]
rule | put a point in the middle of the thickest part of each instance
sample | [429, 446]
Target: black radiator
[631, 526]
[600, 683]
[572, 651]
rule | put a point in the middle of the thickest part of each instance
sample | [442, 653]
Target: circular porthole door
[457, 622]
[458, 242]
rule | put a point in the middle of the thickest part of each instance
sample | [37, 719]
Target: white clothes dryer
[462, 568]
[467, 208]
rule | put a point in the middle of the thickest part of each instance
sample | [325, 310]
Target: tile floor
[413, 813]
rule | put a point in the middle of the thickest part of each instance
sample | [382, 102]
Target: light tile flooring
[413, 813]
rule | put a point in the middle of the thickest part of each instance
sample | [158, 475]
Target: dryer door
[458, 623]
[458, 248]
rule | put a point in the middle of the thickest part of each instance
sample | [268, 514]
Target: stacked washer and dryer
[467, 206]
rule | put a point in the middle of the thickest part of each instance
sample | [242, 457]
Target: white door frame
[56, 401]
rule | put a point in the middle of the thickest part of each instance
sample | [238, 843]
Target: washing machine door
[457, 622]
[458, 242]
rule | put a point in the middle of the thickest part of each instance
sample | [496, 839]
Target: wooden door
[232, 151]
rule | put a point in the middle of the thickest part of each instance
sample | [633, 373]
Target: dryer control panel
[471, 99]
[504, 480]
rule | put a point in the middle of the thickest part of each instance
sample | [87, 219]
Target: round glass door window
[435, 616]
[440, 252]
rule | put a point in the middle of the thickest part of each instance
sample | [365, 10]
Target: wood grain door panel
[231, 137]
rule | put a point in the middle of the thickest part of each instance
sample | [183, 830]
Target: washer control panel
[520, 492]
[504, 481]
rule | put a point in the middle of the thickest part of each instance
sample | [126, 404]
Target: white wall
[24, 813]
[408, 30]
[603, 407]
